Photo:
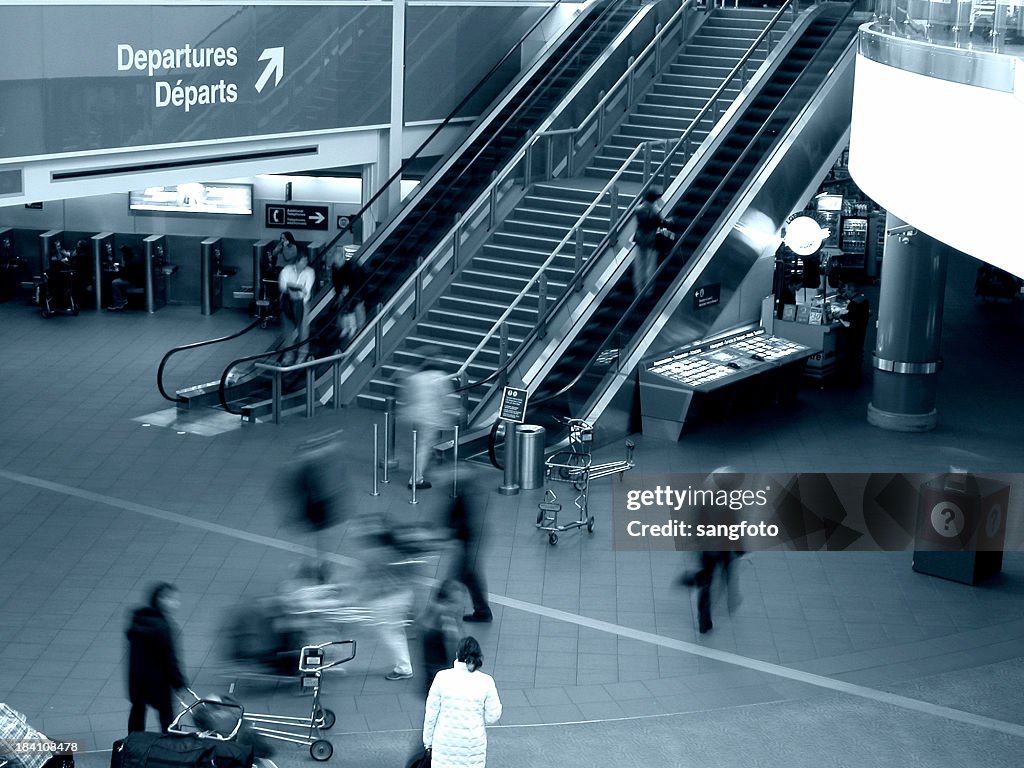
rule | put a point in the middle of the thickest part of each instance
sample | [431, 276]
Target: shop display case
[713, 375]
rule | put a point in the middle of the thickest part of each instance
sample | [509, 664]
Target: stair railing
[620, 96]
[425, 282]
[588, 221]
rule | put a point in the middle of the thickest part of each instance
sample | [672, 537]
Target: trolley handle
[177, 728]
[312, 658]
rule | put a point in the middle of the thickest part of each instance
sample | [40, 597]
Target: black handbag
[419, 760]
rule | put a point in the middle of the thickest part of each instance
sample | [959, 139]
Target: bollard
[509, 486]
[455, 465]
[376, 491]
[390, 456]
[384, 464]
[412, 484]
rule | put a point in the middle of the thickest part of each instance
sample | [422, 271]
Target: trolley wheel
[552, 539]
[326, 717]
[590, 524]
[321, 750]
[263, 324]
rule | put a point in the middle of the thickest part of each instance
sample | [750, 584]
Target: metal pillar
[907, 361]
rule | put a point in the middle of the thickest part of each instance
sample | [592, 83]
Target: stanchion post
[376, 491]
[412, 483]
[509, 486]
[455, 464]
[391, 457]
[387, 430]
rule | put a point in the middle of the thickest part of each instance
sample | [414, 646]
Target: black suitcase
[167, 750]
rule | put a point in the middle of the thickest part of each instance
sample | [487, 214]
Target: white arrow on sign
[275, 66]
[318, 217]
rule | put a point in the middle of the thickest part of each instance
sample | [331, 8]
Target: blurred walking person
[154, 672]
[427, 392]
[461, 703]
[440, 630]
[466, 521]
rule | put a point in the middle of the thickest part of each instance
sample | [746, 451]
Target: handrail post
[600, 116]
[629, 81]
[464, 391]
[657, 48]
[418, 288]
[492, 203]
[310, 391]
[570, 154]
[336, 383]
[613, 207]
[542, 305]
[275, 397]
[647, 161]
[577, 264]
[378, 336]
[503, 354]
[549, 157]
[528, 160]
[457, 242]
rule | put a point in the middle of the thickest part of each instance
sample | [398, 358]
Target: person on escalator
[648, 222]
[347, 278]
[296, 283]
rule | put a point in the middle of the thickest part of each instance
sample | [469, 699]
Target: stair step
[562, 264]
[522, 313]
[477, 320]
[562, 218]
[521, 243]
[552, 231]
[460, 334]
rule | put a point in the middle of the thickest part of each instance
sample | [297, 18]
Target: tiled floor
[841, 659]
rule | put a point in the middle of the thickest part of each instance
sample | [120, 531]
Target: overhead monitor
[194, 197]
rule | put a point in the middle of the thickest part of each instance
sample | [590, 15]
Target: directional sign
[297, 216]
[513, 404]
[707, 295]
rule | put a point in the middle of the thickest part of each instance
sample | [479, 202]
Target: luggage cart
[575, 467]
[306, 731]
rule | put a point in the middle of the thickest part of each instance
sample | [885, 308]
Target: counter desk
[716, 377]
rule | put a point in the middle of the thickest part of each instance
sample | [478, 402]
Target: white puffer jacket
[459, 705]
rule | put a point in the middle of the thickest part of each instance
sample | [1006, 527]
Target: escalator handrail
[194, 345]
[400, 295]
[638, 61]
[610, 336]
[443, 124]
[623, 218]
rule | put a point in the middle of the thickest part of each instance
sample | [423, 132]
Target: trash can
[532, 441]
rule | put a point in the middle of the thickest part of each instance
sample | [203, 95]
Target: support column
[906, 360]
[395, 134]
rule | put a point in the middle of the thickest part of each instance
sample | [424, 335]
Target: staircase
[504, 265]
[668, 107]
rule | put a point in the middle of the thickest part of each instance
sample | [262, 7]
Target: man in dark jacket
[465, 519]
[153, 669]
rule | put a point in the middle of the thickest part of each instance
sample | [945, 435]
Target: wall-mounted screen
[232, 199]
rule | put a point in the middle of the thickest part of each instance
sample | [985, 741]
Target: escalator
[393, 251]
[698, 213]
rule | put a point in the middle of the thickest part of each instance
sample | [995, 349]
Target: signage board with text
[289, 216]
[513, 404]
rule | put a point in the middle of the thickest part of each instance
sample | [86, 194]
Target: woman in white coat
[462, 701]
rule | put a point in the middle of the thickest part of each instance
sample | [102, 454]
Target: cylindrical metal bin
[532, 441]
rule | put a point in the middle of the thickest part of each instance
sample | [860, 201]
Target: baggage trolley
[576, 468]
[306, 731]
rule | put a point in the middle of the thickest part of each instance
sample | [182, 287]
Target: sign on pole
[513, 404]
